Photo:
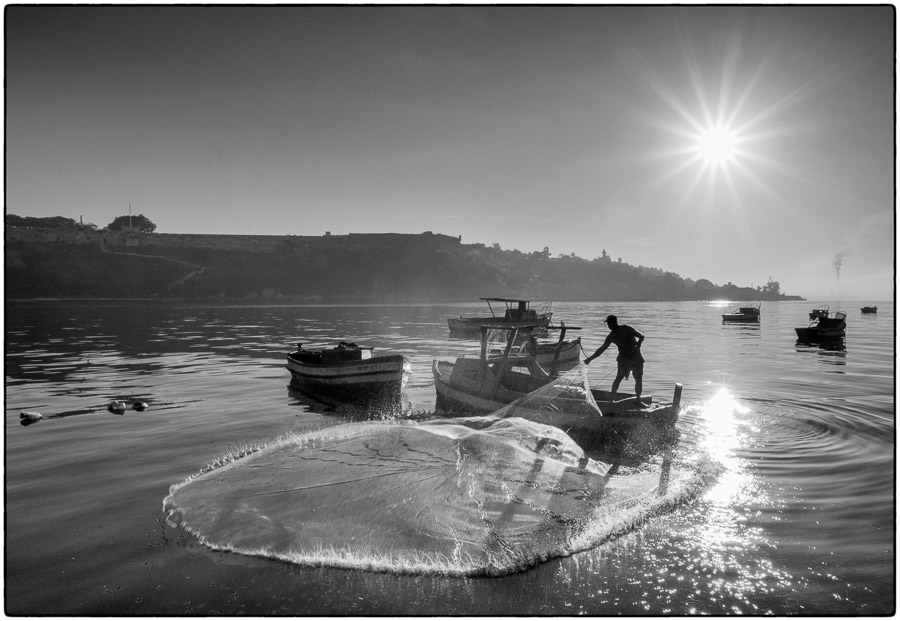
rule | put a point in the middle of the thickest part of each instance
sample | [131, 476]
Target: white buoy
[140, 406]
[116, 406]
[31, 416]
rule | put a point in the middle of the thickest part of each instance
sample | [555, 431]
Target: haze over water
[797, 520]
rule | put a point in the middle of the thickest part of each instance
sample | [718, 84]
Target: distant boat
[517, 313]
[744, 314]
[349, 374]
[818, 313]
[824, 328]
[869, 310]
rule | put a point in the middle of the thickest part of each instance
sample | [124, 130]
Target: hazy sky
[727, 143]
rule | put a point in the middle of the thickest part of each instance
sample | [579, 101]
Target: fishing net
[484, 495]
[567, 396]
[626, 431]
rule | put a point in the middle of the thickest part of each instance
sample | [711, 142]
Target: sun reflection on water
[728, 569]
[722, 434]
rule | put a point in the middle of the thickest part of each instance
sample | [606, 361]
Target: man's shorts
[632, 365]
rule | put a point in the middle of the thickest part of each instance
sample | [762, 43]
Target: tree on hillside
[139, 222]
[50, 222]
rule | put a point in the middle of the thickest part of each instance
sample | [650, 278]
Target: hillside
[334, 272]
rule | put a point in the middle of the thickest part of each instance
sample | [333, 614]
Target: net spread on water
[484, 495]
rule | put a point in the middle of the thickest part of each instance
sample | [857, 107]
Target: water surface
[798, 520]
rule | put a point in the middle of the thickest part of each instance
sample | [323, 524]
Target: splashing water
[471, 496]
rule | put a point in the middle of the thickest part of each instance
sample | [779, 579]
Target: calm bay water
[800, 519]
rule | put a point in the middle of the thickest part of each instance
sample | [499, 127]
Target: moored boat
[349, 374]
[823, 328]
[560, 356]
[818, 313]
[743, 314]
[869, 310]
[553, 356]
[516, 313]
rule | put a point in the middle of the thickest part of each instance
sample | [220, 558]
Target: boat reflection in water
[388, 406]
[831, 352]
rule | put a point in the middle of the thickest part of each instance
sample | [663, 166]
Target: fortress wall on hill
[281, 243]
[244, 243]
[50, 235]
[241, 243]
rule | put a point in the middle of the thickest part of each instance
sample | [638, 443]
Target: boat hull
[354, 382]
[465, 327]
[825, 329]
[740, 318]
[806, 334]
[470, 400]
[567, 358]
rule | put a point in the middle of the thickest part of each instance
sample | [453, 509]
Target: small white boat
[553, 356]
[348, 373]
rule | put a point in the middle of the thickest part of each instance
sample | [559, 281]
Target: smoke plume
[838, 262]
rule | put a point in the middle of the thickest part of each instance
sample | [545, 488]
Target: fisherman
[628, 340]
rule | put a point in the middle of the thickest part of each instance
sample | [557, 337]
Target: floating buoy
[116, 406]
[140, 406]
[31, 416]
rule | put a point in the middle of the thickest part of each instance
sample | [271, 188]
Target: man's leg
[615, 385]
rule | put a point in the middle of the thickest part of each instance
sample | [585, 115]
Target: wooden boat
[743, 314]
[517, 313]
[818, 313]
[554, 357]
[869, 310]
[349, 374]
[561, 356]
[823, 328]
[473, 386]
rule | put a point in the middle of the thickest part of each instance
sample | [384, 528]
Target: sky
[731, 143]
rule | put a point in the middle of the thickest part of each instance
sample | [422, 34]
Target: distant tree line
[52, 222]
[139, 222]
[327, 271]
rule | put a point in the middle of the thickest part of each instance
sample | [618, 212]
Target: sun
[716, 145]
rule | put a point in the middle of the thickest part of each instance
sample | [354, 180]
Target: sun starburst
[716, 145]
